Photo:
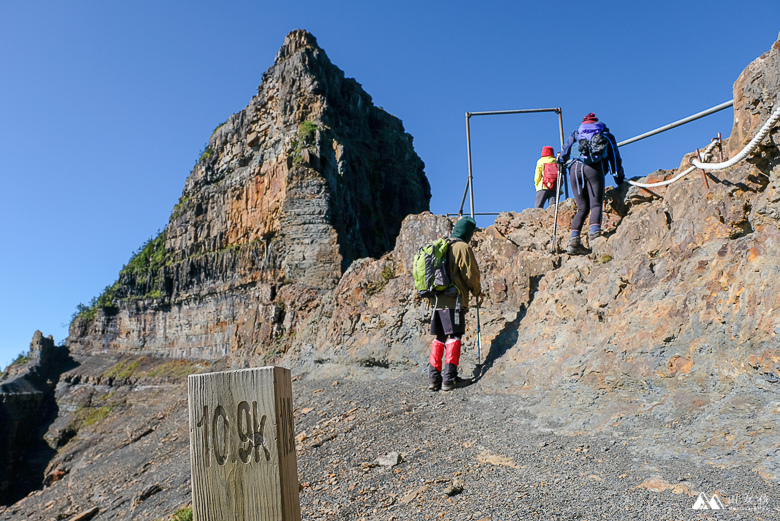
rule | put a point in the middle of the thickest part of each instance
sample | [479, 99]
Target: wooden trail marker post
[242, 446]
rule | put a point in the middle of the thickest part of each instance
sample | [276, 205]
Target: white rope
[662, 183]
[745, 151]
[707, 152]
[750, 148]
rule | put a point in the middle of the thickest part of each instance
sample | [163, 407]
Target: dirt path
[469, 455]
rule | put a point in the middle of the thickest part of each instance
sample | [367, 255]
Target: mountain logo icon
[705, 503]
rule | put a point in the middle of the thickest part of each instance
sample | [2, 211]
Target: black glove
[619, 178]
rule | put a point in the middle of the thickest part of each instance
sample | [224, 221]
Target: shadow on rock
[504, 341]
[27, 408]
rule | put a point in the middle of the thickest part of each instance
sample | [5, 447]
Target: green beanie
[464, 229]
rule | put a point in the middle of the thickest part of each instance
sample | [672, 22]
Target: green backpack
[430, 270]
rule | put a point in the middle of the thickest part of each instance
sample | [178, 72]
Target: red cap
[590, 118]
[548, 151]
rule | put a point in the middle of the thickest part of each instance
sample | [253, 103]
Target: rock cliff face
[27, 406]
[756, 94]
[309, 177]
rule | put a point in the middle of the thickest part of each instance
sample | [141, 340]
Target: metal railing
[469, 183]
[683, 121]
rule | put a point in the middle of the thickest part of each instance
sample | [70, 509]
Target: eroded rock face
[309, 177]
[756, 96]
[26, 406]
[311, 170]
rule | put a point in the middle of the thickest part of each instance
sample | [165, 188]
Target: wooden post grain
[242, 446]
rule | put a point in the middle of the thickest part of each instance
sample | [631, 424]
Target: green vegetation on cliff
[143, 270]
[122, 371]
[90, 416]
[21, 359]
[307, 133]
[147, 260]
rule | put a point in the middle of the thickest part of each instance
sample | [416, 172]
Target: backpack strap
[611, 155]
[450, 242]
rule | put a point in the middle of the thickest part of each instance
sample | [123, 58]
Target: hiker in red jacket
[545, 177]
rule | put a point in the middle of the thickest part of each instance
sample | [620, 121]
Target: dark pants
[542, 196]
[588, 186]
[444, 322]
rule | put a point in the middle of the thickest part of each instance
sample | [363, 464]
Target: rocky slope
[470, 454]
[664, 337]
[673, 317]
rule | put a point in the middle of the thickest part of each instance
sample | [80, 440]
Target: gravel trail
[472, 455]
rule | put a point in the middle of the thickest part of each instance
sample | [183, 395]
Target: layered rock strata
[309, 177]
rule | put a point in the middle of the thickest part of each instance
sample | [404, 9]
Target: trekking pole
[479, 338]
[561, 168]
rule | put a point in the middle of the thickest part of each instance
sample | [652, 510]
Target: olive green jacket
[464, 272]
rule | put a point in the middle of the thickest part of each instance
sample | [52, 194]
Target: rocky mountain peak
[294, 42]
[289, 192]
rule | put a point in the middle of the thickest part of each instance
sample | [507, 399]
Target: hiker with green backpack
[446, 272]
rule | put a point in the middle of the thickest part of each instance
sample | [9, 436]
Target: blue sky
[105, 106]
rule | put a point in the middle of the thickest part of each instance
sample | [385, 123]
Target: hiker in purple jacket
[600, 155]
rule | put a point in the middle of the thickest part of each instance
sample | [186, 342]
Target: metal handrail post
[519, 111]
[565, 182]
[468, 182]
[471, 178]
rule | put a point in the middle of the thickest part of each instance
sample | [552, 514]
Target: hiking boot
[595, 239]
[457, 383]
[450, 374]
[434, 378]
[575, 247]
